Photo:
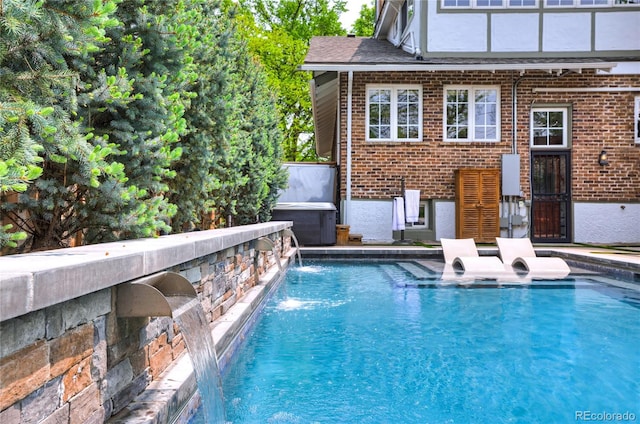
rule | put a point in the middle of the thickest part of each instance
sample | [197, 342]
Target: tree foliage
[129, 119]
[364, 25]
[278, 33]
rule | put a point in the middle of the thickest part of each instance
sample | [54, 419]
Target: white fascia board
[462, 67]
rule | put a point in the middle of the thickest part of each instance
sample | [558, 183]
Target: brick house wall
[599, 120]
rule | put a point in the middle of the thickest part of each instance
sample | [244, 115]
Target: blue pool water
[344, 343]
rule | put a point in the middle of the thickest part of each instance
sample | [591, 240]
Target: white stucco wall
[592, 222]
[606, 223]
[566, 32]
[470, 33]
[514, 32]
[445, 219]
[371, 218]
[618, 31]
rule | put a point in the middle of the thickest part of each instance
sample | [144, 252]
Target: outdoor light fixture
[602, 158]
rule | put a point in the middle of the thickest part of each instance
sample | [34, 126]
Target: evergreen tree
[201, 169]
[227, 167]
[145, 123]
[168, 89]
[39, 131]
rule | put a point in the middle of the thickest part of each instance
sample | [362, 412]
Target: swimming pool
[359, 343]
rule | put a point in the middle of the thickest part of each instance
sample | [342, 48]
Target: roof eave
[491, 67]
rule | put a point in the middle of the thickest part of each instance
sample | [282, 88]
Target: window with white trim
[549, 127]
[456, 3]
[502, 4]
[424, 219]
[556, 3]
[394, 113]
[472, 4]
[522, 3]
[472, 113]
[636, 120]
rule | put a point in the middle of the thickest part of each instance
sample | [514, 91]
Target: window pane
[540, 137]
[555, 137]
[414, 115]
[374, 114]
[402, 132]
[379, 112]
[485, 3]
[480, 114]
[539, 119]
[385, 132]
[414, 131]
[462, 114]
[456, 3]
[402, 114]
[555, 119]
[385, 114]
[485, 116]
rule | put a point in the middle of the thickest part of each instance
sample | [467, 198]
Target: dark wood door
[551, 197]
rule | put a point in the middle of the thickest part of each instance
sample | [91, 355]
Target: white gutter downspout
[347, 209]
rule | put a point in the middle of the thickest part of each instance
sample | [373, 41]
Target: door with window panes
[550, 175]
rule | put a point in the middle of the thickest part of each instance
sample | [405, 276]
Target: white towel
[412, 204]
[398, 214]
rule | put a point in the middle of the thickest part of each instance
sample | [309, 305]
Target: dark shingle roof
[355, 50]
[347, 51]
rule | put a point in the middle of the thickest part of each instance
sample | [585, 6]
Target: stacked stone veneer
[65, 356]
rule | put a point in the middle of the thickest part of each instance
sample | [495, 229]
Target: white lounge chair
[462, 259]
[519, 254]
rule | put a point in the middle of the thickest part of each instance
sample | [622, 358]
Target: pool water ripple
[356, 348]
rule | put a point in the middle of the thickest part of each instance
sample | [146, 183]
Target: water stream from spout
[189, 315]
[295, 241]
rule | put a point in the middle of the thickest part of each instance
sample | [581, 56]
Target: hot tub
[314, 223]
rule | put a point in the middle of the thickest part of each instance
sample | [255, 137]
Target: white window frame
[445, 6]
[471, 136]
[474, 4]
[546, 4]
[505, 4]
[636, 120]
[424, 216]
[565, 127]
[522, 6]
[581, 3]
[394, 88]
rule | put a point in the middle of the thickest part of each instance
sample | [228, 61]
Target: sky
[347, 19]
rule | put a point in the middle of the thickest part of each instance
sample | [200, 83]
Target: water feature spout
[170, 294]
[149, 296]
[290, 233]
[265, 244]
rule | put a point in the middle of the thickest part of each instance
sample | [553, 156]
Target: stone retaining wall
[65, 357]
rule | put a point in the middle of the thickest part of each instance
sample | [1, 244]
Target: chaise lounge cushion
[519, 254]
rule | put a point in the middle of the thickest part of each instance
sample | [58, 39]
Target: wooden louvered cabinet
[478, 204]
